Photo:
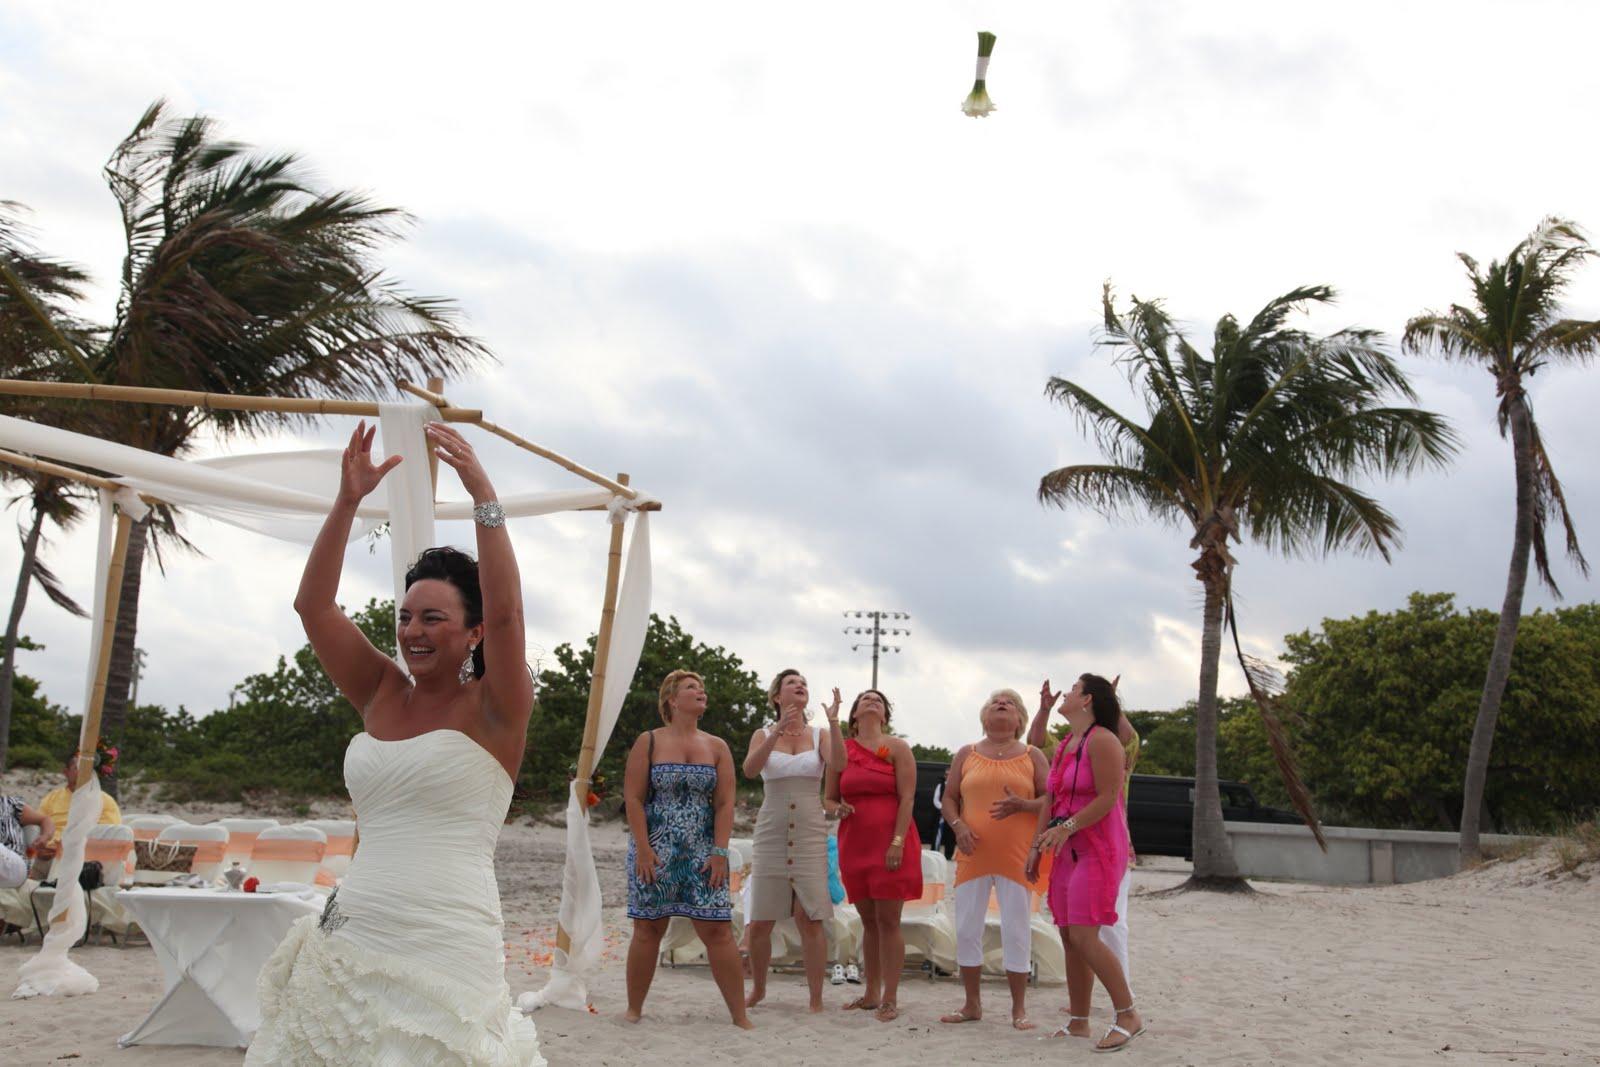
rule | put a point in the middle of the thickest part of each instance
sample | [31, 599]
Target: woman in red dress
[880, 856]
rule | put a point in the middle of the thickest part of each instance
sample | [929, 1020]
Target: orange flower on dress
[883, 753]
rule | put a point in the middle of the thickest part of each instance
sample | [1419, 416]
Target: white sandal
[1115, 1029]
[1062, 1031]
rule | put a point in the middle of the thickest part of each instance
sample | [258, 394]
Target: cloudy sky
[761, 262]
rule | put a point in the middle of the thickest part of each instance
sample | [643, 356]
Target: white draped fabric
[570, 971]
[409, 487]
[286, 495]
[51, 973]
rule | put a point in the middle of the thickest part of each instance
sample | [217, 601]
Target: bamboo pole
[294, 405]
[597, 682]
[434, 385]
[56, 470]
[189, 398]
[89, 735]
[618, 487]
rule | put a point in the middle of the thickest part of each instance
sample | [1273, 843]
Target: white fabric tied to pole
[410, 489]
[51, 973]
[285, 495]
[570, 971]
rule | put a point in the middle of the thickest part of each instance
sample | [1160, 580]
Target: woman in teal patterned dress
[679, 793]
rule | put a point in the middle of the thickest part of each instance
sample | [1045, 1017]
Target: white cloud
[756, 257]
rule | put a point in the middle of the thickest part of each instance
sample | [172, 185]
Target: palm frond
[1550, 497]
[1266, 687]
[1111, 490]
[52, 588]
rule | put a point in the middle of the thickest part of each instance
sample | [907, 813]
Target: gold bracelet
[897, 841]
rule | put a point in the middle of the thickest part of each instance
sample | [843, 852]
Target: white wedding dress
[407, 963]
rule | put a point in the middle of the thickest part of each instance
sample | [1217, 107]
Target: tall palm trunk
[120, 676]
[1505, 635]
[1213, 856]
[30, 548]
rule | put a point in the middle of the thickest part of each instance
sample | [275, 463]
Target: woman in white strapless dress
[407, 963]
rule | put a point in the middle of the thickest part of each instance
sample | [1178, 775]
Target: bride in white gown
[407, 964]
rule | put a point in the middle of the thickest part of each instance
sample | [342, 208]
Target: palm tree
[241, 277]
[36, 298]
[1513, 329]
[52, 499]
[1263, 436]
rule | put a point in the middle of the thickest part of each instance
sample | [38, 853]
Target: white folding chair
[242, 838]
[341, 835]
[288, 854]
[16, 916]
[112, 846]
[147, 827]
[210, 845]
[929, 929]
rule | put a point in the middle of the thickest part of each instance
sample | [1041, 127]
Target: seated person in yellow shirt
[57, 802]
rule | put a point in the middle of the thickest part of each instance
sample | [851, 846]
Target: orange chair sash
[290, 849]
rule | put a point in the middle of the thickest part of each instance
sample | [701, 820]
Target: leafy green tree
[736, 704]
[36, 294]
[1381, 705]
[42, 733]
[1513, 328]
[932, 753]
[240, 276]
[285, 729]
[1262, 437]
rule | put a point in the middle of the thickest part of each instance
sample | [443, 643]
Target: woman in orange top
[991, 853]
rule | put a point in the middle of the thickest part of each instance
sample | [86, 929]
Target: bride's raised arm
[352, 662]
[510, 687]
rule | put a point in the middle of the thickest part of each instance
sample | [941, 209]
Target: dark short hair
[887, 708]
[460, 570]
[1103, 701]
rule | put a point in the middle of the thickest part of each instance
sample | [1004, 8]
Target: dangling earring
[467, 671]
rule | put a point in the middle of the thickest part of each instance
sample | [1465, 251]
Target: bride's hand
[358, 475]
[452, 448]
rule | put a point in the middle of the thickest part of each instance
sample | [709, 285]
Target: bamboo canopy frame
[90, 734]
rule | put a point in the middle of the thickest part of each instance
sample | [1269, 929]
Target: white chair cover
[211, 843]
[265, 858]
[341, 834]
[929, 928]
[242, 838]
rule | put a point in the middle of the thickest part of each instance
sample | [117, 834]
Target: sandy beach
[1496, 965]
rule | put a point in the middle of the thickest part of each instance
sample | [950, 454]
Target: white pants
[972, 907]
[1116, 937]
[13, 869]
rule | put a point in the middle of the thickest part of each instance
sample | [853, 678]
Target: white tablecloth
[212, 944]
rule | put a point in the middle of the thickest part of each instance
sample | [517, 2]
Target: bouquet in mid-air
[977, 104]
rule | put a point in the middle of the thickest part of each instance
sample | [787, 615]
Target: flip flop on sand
[1127, 1035]
[1062, 1031]
[960, 1016]
[887, 1012]
[1022, 1022]
[861, 1003]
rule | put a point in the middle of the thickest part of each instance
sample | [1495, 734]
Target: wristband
[489, 514]
[715, 851]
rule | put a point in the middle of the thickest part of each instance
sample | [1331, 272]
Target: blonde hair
[777, 685]
[669, 689]
[1016, 700]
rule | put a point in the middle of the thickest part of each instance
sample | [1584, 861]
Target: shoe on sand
[837, 978]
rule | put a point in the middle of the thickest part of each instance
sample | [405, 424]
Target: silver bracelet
[489, 514]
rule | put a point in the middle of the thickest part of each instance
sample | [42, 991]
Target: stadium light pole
[878, 632]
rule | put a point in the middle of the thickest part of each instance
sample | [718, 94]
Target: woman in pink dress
[1085, 824]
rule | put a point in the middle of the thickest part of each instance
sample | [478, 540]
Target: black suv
[1161, 813]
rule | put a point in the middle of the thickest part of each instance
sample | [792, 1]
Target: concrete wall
[1355, 856]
